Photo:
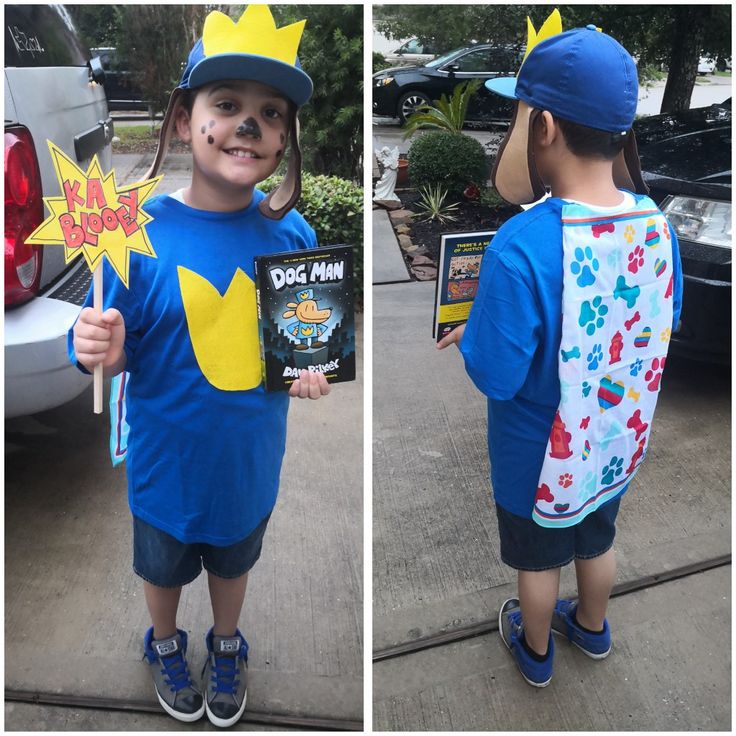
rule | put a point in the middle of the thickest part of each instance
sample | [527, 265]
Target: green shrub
[379, 62]
[450, 160]
[334, 208]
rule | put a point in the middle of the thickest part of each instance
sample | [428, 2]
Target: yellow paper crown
[254, 33]
[551, 27]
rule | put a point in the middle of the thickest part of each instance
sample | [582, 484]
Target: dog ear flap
[167, 130]
[285, 196]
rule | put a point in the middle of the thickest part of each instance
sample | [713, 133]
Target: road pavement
[74, 610]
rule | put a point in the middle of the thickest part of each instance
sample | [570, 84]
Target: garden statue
[389, 159]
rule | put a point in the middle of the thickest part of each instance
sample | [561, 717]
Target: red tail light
[23, 214]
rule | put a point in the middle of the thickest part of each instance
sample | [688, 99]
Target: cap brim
[504, 86]
[515, 175]
[290, 81]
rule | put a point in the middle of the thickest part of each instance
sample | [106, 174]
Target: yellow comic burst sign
[94, 217]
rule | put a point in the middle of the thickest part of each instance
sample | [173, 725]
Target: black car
[399, 91]
[686, 161]
[121, 91]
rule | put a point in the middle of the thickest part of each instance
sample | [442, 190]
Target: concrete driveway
[74, 610]
[438, 582]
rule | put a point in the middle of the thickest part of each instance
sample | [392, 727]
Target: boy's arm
[502, 332]
[677, 285]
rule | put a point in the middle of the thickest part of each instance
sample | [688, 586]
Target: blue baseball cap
[582, 75]
[290, 80]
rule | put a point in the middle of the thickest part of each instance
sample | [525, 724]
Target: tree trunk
[687, 42]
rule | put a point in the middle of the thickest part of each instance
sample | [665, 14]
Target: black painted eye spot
[211, 124]
[210, 139]
[203, 129]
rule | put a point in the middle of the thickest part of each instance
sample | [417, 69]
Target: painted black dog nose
[250, 128]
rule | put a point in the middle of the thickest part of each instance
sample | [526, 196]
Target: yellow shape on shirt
[223, 329]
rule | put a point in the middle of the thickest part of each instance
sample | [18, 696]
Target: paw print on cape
[636, 367]
[592, 315]
[565, 480]
[636, 259]
[595, 357]
[588, 487]
[654, 375]
[665, 334]
[586, 389]
[584, 265]
[612, 471]
[629, 234]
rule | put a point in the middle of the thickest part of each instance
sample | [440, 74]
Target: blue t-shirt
[512, 341]
[206, 440]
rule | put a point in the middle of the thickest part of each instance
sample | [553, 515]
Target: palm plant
[433, 207]
[445, 114]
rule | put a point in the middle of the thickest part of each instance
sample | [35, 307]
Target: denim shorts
[527, 546]
[164, 561]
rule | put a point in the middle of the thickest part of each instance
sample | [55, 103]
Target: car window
[474, 61]
[41, 35]
[440, 60]
[412, 47]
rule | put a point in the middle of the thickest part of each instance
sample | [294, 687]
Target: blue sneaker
[538, 674]
[596, 646]
[175, 690]
[225, 677]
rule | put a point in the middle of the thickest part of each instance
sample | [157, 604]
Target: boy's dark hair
[591, 142]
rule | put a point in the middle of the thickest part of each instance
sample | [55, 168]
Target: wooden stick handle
[97, 375]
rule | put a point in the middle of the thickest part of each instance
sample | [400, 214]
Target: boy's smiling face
[237, 130]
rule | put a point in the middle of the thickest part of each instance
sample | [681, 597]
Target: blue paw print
[595, 357]
[636, 366]
[614, 468]
[588, 487]
[591, 314]
[583, 270]
[586, 389]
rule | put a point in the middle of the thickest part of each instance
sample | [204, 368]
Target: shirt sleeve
[677, 285]
[503, 330]
[125, 301]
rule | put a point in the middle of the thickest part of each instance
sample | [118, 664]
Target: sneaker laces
[175, 669]
[224, 673]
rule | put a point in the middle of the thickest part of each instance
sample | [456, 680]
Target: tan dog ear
[167, 128]
[285, 196]
[293, 305]
[289, 313]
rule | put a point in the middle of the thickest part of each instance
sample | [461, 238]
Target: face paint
[278, 153]
[210, 139]
[250, 128]
[203, 129]
[211, 123]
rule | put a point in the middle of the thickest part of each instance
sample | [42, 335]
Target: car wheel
[408, 103]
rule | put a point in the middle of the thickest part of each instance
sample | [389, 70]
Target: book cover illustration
[306, 314]
[459, 262]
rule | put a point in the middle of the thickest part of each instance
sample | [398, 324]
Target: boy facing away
[568, 336]
[206, 440]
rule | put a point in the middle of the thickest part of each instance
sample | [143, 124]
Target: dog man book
[305, 314]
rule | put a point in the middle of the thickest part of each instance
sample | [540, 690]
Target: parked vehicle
[706, 65]
[413, 51]
[51, 92]
[686, 161]
[399, 91]
[120, 89]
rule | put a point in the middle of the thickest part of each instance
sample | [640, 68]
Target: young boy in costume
[568, 334]
[206, 440]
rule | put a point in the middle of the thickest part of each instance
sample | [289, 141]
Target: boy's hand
[453, 337]
[99, 338]
[309, 385]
